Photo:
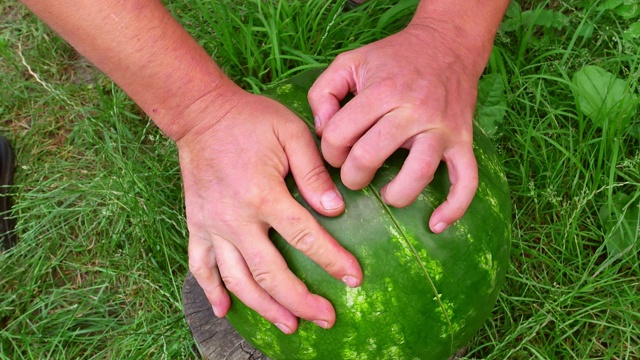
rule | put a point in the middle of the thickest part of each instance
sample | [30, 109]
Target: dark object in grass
[7, 224]
[352, 5]
[215, 336]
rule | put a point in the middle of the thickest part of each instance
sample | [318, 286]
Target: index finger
[329, 89]
[296, 225]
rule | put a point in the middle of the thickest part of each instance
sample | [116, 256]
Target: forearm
[139, 45]
[470, 26]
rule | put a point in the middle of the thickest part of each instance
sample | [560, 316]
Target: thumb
[313, 180]
[331, 87]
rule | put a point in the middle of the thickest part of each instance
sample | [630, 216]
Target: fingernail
[323, 324]
[316, 122]
[440, 227]
[284, 328]
[331, 200]
[215, 311]
[350, 281]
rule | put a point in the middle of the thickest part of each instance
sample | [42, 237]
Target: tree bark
[216, 338]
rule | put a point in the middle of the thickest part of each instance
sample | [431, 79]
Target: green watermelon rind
[456, 276]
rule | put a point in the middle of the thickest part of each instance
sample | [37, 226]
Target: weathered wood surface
[217, 339]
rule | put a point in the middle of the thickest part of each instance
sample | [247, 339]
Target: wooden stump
[217, 339]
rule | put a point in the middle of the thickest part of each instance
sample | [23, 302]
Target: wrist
[183, 113]
[142, 48]
[465, 28]
[203, 112]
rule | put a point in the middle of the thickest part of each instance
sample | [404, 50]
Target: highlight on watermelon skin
[424, 295]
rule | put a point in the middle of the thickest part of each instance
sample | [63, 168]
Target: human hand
[412, 90]
[233, 170]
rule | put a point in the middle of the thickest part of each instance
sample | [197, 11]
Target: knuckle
[342, 58]
[255, 197]
[425, 172]
[331, 264]
[265, 270]
[387, 85]
[362, 157]
[317, 177]
[332, 137]
[226, 223]
[314, 93]
[232, 283]
[198, 268]
[257, 262]
[264, 278]
[303, 240]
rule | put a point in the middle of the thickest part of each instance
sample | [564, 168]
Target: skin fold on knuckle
[232, 282]
[315, 94]
[304, 240]
[334, 136]
[308, 240]
[345, 59]
[198, 268]
[266, 271]
[317, 178]
[239, 287]
[425, 172]
[257, 199]
[363, 159]
[333, 150]
[389, 89]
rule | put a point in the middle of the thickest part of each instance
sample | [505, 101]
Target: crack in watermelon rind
[405, 238]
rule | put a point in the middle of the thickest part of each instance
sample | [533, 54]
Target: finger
[351, 122]
[329, 89]
[270, 273]
[313, 180]
[463, 175]
[202, 264]
[374, 147]
[240, 281]
[416, 172]
[294, 223]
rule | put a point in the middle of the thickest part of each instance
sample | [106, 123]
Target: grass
[102, 253]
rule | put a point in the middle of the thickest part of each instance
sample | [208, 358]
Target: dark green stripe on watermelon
[424, 295]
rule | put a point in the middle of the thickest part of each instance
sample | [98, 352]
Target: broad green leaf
[492, 103]
[621, 221]
[632, 33]
[515, 18]
[610, 4]
[603, 97]
[514, 10]
[510, 24]
[627, 9]
[545, 18]
[512, 18]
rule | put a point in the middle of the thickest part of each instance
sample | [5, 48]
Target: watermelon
[424, 295]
